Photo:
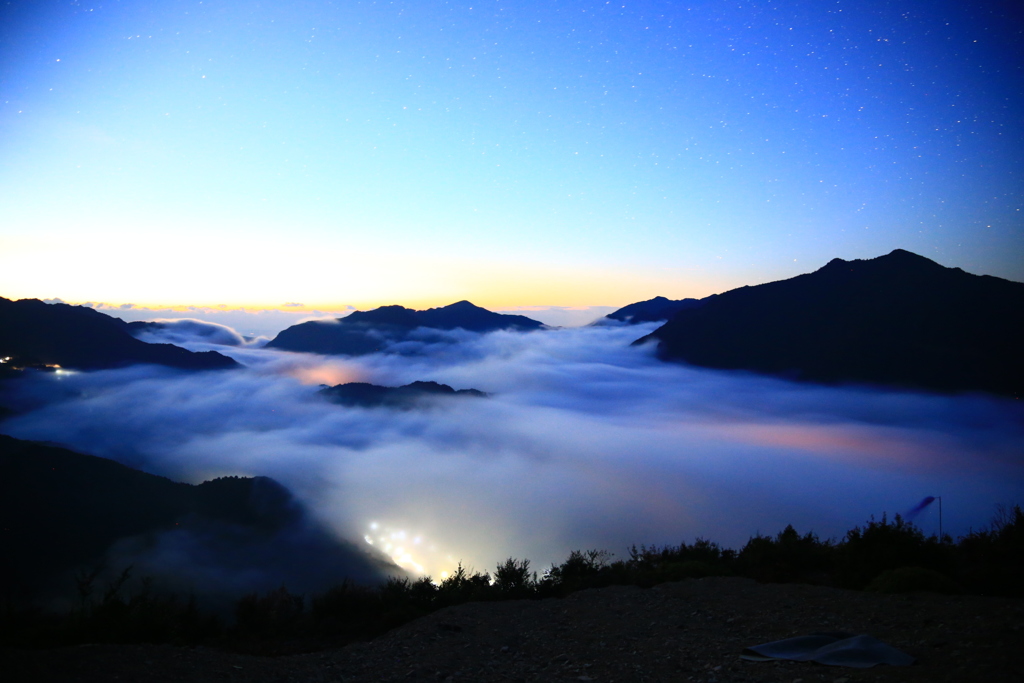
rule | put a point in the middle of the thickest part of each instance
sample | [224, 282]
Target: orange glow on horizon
[882, 446]
[501, 296]
[330, 374]
[277, 275]
[341, 310]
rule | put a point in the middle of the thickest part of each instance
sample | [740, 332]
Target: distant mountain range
[36, 333]
[63, 512]
[408, 396]
[899, 319]
[653, 310]
[365, 332]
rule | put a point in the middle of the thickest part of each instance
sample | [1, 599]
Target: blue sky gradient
[556, 153]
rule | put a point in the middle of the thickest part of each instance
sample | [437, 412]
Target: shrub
[582, 569]
[273, 614]
[463, 586]
[866, 553]
[912, 580]
[512, 579]
[786, 558]
[991, 561]
[120, 616]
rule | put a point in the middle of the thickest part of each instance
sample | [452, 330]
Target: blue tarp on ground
[833, 649]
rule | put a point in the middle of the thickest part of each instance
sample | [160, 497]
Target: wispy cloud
[186, 330]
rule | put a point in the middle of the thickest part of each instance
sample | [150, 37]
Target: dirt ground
[686, 631]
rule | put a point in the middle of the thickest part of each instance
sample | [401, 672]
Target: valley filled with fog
[583, 442]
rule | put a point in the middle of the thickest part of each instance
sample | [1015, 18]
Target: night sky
[510, 153]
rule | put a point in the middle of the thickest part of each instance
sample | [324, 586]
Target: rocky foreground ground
[687, 631]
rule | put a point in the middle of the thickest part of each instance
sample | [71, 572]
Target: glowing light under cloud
[330, 373]
[410, 550]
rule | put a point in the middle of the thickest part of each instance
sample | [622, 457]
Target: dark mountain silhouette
[899, 319]
[136, 327]
[653, 310]
[62, 511]
[408, 396]
[365, 332]
[36, 333]
[474, 318]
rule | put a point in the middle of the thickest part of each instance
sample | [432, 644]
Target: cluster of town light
[49, 366]
[407, 550]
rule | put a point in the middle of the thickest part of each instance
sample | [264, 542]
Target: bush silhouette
[786, 558]
[119, 616]
[463, 586]
[271, 615]
[512, 579]
[651, 565]
[912, 580]
[992, 560]
[866, 553]
[582, 569]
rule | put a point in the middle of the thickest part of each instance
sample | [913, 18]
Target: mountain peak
[904, 258]
[897, 261]
[383, 315]
[899, 319]
[652, 310]
[458, 307]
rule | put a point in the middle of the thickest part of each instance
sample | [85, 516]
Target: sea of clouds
[584, 442]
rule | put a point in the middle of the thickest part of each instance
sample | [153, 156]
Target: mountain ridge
[33, 332]
[364, 332]
[405, 397]
[899, 319]
[54, 525]
[652, 310]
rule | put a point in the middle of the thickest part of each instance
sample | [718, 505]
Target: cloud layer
[187, 330]
[586, 442]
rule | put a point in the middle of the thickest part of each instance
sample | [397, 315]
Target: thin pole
[940, 519]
